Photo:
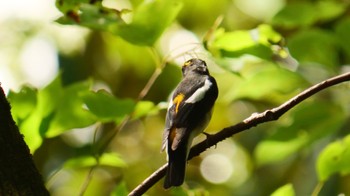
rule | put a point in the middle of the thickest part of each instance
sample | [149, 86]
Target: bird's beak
[202, 68]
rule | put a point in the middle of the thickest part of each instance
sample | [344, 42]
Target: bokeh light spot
[216, 168]
[262, 10]
[39, 61]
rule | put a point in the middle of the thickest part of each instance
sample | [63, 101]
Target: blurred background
[62, 73]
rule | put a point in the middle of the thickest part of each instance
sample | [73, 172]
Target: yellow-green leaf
[286, 190]
[335, 158]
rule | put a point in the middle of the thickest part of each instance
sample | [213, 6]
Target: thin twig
[317, 189]
[252, 121]
[150, 83]
[89, 176]
[87, 180]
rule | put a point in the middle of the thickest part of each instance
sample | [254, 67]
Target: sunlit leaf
[234, 41]
[120, 189]
[270, 151]
[107, 159]
[27, 117]
[144, 108]
[70, 112]
[92, 16]
[272, 84]
[267, 35]
[30, 130]
[35, 125]
[49, 97]
[112, 159]
[255, 42]
[23, 102]
[107, 107]
[66, 5]
[286, 190]
[335, 158]
[328, 10]
[310, 122]
[144, 29]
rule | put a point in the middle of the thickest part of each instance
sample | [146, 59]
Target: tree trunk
[18, 174]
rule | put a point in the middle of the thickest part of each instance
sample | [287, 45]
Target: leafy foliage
[107, 159]
[62, 108]
[308, 13]
[310, 125]
[270, 80]
[286, 190]
[308, 46]
[334, 159]
[144, 28]
[105, 107]
[105, 110]
[256, 42]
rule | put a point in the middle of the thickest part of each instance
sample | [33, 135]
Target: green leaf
[268, 35]
[70, 112]
[49, 98]
[328, 10]
[335, 158]
[22, 103]
[120, 190]
[67, 5]
[255, 42]
[30, 129]
[92, 16]
[288, 18]
[271, 151]
[271, 84]
[310, 122]
[308, 13]
[34, 127]
[35, 124]
[112, 159]
[106, 107]
[107, 159]
[286, 190]
[316, 46]
[342, 30]
[149, 21]
[144, 108]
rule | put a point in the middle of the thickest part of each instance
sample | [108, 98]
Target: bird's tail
[175, 174]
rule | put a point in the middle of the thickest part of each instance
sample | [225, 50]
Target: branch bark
[18, 174]
[252, 121]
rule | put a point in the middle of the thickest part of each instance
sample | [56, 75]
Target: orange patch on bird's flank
[172, 134]
[177, 100]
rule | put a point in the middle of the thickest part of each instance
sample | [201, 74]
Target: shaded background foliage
[76, 72]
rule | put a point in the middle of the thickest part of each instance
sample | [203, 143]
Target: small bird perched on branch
[188, 115]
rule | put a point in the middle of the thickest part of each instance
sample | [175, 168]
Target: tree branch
[252, 121]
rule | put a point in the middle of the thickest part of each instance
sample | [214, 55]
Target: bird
[188, 114]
